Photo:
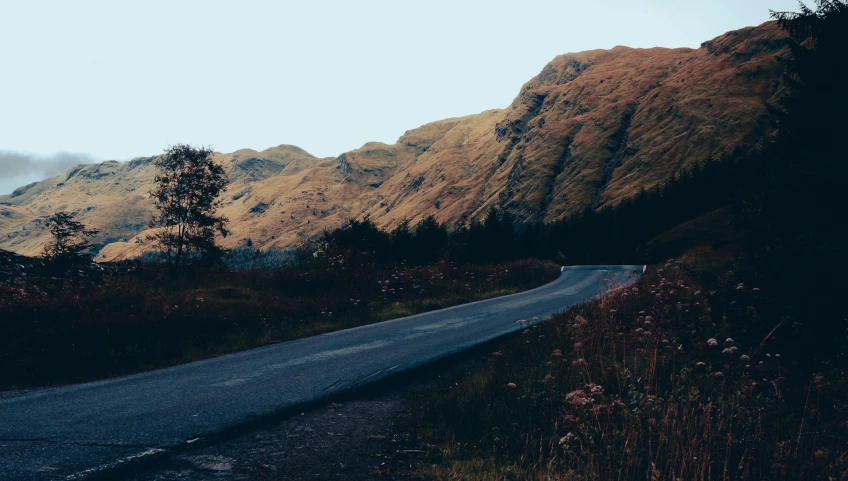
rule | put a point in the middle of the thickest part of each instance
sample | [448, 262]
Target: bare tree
[186, 199]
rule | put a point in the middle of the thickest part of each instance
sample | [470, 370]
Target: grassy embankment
[138, 317]
[688, 374]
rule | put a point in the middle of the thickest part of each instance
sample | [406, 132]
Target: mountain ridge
[591, 129]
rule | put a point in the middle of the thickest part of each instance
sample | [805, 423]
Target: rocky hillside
[591, 129]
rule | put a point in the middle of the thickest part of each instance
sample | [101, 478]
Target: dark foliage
[794, 226]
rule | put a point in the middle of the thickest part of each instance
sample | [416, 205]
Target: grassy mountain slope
[595, 127]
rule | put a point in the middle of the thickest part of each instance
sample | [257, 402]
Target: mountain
[591, 129]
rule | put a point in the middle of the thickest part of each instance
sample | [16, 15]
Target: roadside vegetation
[687, 374]
[113, 319]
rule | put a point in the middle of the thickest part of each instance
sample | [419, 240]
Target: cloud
[16, 164]
[17, 169]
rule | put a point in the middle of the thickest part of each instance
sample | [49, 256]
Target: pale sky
[117, 80]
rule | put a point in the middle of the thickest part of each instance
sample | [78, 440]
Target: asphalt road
[73, 432]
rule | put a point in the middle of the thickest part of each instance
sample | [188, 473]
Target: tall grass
[662, 380]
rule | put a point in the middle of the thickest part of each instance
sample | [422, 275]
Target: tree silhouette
[186, 199]
[402, 241]
[430, 241]
[70, 241]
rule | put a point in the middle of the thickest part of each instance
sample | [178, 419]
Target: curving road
[72, 432]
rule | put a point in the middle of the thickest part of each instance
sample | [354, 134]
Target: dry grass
[662, 380]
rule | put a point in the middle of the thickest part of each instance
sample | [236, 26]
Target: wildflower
[700, 364]
[729, 350]
[718, 374]
[511, 385]
[578, 362]
[744, 357]
[595, 388]
[740, 287]
[728, 341]
[578, 398]
[712, 342]
[556, 353]
[578, 345]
